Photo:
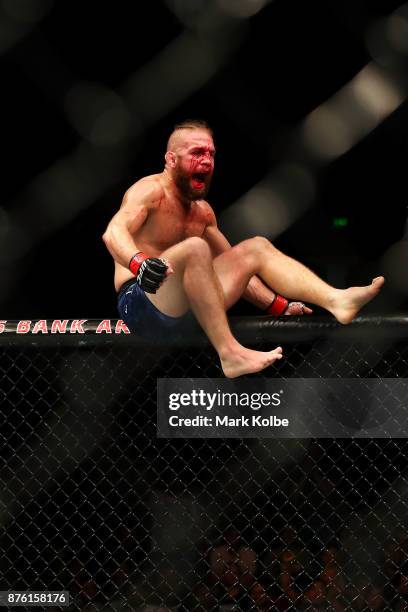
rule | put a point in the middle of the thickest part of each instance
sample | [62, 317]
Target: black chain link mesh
[93, 502]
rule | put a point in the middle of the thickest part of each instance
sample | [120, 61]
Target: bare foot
[347, 302]
[245, 361]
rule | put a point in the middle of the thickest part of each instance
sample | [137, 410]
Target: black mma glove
[149, 271]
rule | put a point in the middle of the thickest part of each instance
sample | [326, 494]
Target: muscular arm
[137, 203]
[257, 292]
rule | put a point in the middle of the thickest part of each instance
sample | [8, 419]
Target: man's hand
[150, 272]
[297, 308]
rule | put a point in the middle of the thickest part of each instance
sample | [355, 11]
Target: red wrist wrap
[278, 306]
[136, 261]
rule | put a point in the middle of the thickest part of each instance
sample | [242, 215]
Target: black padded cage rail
[94, 503]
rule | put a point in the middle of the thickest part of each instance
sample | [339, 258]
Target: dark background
[64, 66]
[288, 59]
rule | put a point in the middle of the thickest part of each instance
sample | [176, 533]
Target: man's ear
[170, 158]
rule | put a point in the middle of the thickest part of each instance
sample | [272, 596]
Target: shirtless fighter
[171, 257]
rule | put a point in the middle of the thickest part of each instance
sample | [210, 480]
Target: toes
[277, 352]
[274, 357]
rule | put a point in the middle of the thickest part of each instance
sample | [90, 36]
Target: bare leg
[195, 285]
[288, 277]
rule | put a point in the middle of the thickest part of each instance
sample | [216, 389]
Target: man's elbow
[106, 237]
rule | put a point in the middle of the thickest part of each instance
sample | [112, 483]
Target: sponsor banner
[64, 326]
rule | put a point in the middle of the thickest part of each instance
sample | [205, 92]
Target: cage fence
[94, 503]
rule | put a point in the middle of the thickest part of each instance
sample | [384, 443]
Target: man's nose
[207, 159]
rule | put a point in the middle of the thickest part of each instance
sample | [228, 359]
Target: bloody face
[194, 165]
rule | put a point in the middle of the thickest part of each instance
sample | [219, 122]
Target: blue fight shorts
[142, 317]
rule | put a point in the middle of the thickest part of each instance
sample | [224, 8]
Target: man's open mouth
[198, 179]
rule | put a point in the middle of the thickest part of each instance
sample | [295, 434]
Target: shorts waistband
[125, 285]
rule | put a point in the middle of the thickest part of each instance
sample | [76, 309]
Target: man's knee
[260, 243]
[256, 245]
[188, 251]
[196, 246]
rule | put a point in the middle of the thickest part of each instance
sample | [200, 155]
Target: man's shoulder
[149, 189]
[206, 210]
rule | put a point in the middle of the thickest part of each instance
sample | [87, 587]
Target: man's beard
[183, 182]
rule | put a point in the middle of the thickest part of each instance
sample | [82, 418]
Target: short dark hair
[193, 124]
[190, 124]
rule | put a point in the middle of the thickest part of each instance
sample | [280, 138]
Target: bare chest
[173, 224]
